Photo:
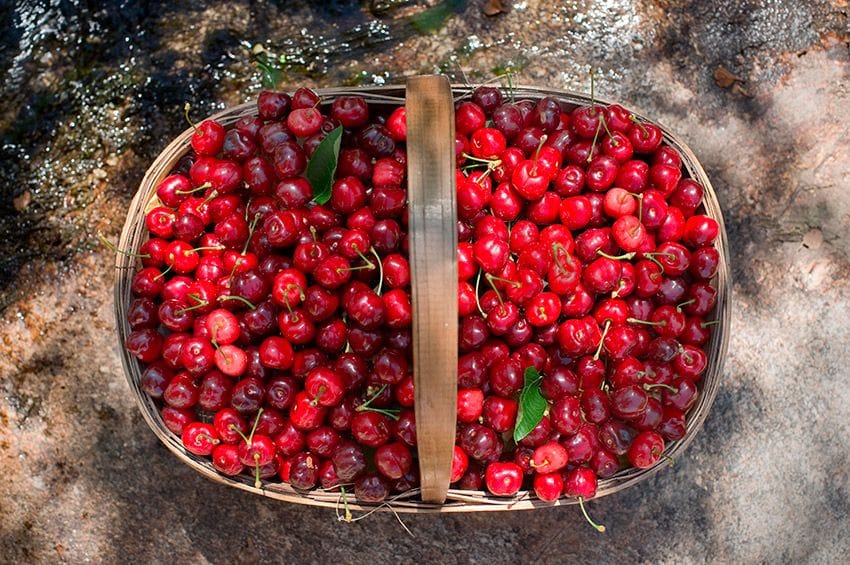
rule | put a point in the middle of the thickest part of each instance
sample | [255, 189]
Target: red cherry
[503, 479]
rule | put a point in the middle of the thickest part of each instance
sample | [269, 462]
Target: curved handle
[432, 216]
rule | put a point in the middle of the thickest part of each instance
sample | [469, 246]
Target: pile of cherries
[275, 330]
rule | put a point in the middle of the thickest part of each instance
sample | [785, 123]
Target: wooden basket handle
[432, 217]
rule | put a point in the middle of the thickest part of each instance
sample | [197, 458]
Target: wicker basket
[134, 234]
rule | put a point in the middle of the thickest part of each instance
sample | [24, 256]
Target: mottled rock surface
[91, 95]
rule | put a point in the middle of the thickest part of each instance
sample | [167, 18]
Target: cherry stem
[162, 274]
[650, 386]
[534, 465]
[480, 159]
[300, 293]
[543, 139]
[239, 298]
[652, 257]
[510, 86]
[204, 186]
[556, 247]
[598, 527]
[200, 304]
[254, 429]
[212, 196]
[251, 229]
[595, 137]
[233, 428]
[348, 516]
[604, 123]
[369, 265]
[371, 399]
[490, 279]
[602, 340]
[186, 108]
[592, 89]
[622, 285]
[366, 406]
[634, 119]
[477, 301]
[380, 286]
[211, 439]
[319, 394]
[709, 323]
[257, 482]
[662, 455]
[685, 303]
[646, 322]
[111, 247]
[286, 301]
[627, 256]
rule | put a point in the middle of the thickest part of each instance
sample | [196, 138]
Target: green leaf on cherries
[532, 405]
[322, 166]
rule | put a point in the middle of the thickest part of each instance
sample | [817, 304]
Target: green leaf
[532, 405]
[433, 19]
[322, 166]
[270, 71]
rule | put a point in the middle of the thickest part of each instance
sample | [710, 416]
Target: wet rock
[92, 94]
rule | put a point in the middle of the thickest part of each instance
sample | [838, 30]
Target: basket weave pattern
[135, 233]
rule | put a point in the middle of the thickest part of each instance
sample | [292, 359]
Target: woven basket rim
[133, 233]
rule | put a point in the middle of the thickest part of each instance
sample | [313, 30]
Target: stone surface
[91, 96]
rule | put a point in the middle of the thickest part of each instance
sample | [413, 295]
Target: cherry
[565, 414]
[581, 482]
[397, 124]
[199, 438]
[225, 459]
[306, 414]
[470, 405]
[595, 405]
[325, 386]
[393, 460]
[500, 413]
[273, 105]
[479, 442]
[175, 419]
[548, 487]
[549, 457]
[700, 230]
[208, 138]
[371, 487]
[687, 196]
[646, 449]
[370, 428]
[605, 464]
[503, 479]
[303, 471]
[460, 463]
[673, 425]
[681, 394]
[469, 117]
[404, 429]
[351, 111]
[645, 137]
[155, 379]
[703, 262]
